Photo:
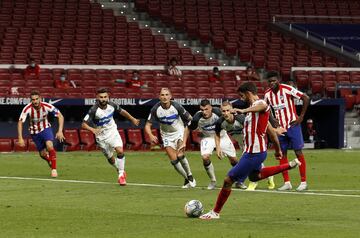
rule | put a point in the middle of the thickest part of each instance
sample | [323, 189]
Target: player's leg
[52, 157]
[120, 164]
[265, 172]
[284, 143]
[180, 154]
[297, 142]
[114, 142]
[206, 148]
[45, 156]
[240, 170]
[171, 152]
[47, 137]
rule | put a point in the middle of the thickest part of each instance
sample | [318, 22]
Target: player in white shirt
[174, 121]
[206, 121]
[40, 128]
[100, 121]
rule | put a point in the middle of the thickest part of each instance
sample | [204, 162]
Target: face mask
[32, 65]
[62, 78]
[135, 78]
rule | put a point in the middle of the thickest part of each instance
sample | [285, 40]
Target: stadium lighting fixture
[224, 64]
[102, 5]
[171, 38]
[159, 31]
[210, 58]
[197, 51]
[146, 25]
[184, 44]
[134, 18]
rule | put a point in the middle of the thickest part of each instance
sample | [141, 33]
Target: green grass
[47, 208]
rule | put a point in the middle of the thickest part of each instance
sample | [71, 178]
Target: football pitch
[86, 201]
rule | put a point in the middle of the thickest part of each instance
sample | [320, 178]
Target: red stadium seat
[6, 145]
[195, 138]
[87, 140]
[17, 148]
[31, 145]
[135, 139]
[72, 141]
[123, 137]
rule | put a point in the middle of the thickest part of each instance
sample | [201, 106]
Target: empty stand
[6, 145]
[135, 139]
[87, 140]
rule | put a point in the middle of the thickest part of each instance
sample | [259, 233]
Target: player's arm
[152, 117]
[306, 100]
[187, 119]
[147, 130]
[59, 134]
[274, 138]
[259, 107]
[87, 119]
[128, 116]
[20, 133]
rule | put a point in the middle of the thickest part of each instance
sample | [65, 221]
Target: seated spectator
[250, 74]
[32, 69]
[61, 82]
[133, 82]
[215, 76]
[172, 69]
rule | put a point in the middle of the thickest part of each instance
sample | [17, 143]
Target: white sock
[120, 164]
[210, 171]
[178, 167]
[185, 164]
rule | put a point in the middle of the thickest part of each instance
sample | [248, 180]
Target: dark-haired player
[281, 98]
[256, 125]
[100, 121]
[40, 128]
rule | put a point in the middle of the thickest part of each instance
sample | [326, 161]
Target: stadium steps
[352, 130]
[170, 33]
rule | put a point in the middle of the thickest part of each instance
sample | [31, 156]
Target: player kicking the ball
[256, 126]
[40, 128]
[174, 121]
[105, 130]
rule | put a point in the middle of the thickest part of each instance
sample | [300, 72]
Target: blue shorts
[40, 138]
[292, 139]
[248, 163]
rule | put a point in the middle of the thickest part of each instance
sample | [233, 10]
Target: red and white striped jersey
[38, 117]
[283, 103]
[255, 126]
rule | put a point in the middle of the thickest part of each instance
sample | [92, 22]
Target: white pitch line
[173, 186]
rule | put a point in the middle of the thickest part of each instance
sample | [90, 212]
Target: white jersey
[207, 125]
[38, 117]
[172, 120]
[104, 119]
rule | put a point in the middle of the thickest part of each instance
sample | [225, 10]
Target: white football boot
[286, 186]
[212, 185]
[210, 215]
[302, 187]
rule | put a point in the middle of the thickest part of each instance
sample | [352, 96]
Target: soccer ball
[193, 208]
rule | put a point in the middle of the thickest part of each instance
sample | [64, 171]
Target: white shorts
[108, 144]
[207, 146]
[173, 141]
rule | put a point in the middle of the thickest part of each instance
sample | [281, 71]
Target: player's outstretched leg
[272, 170]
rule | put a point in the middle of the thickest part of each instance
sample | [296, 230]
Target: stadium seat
[123, 137]
[17, 148]
[31, 145]
[195, 138]
[135, 139]
[87, 140]
[72, 141]
[6, 145]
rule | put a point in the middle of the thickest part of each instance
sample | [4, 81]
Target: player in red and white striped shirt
[40, 128]
[281, 98]
[256, 126]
